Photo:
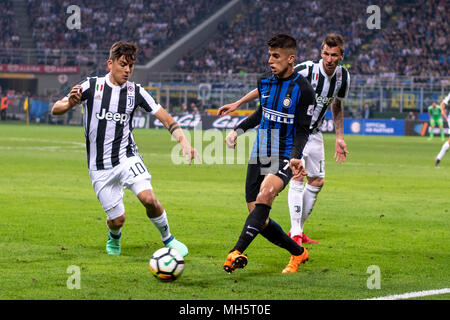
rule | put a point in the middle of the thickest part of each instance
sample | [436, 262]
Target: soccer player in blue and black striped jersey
[287, 100]
[331, 82]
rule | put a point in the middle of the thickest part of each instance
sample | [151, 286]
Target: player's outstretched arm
[443, 113]
[62, 106]
[338, 118]
[248, 123]
[228, 108]
[176, 131]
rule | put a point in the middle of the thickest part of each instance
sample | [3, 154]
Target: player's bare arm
[62, 106]
[443, 111]
[228, 108]
[176, 131]
[338, 118]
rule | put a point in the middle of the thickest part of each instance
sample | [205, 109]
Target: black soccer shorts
[256, 173]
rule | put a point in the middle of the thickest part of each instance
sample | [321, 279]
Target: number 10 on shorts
[137, 169]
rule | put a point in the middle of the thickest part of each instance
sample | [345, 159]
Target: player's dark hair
[334, 40]
[282, 41]
[121, 48]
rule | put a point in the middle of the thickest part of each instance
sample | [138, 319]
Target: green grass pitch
[387, 206]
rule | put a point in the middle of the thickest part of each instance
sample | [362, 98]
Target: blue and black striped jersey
[284, 116]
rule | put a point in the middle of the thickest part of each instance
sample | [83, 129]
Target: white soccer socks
[295, 201]
[309, 199]
[444, 149]
[162, 224]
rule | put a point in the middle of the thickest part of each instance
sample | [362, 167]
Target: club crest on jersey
[130, 97]
[287, 102]
[130, 101]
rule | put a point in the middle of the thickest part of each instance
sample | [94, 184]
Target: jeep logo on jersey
[324, 100]
[117, 117]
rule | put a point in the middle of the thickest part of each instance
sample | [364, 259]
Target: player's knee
[152, 205]
[266, 196]
[118, 222]
[316, 182]
[150, 202]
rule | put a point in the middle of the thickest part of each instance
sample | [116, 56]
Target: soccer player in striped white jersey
[331, 83]
[446, 145]
[112, 155]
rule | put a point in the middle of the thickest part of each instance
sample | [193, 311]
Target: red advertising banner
[26, 68]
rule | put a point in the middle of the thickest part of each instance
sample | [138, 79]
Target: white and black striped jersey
[108, 119]
[446, 99]
[326, 87]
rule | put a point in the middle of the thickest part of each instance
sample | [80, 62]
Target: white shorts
[108, 184]
[314, 156]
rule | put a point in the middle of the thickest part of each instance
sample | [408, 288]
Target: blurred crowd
[9, 35]
[153, 24]
[412, 39]
[240, 45]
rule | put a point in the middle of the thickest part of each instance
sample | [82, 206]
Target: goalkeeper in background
[435, 119]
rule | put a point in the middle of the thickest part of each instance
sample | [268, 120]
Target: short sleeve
[146, 101]
[343, 91]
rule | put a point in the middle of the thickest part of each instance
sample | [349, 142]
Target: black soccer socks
[275, 234]
[253, 226]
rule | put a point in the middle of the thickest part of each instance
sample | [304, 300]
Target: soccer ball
[166, 264]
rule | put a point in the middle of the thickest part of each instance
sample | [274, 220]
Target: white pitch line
[410, 295]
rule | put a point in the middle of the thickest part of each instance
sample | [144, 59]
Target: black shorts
[256, 173]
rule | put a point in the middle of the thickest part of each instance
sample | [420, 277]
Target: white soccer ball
[166, 264]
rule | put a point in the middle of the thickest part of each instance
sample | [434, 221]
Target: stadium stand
[9, 37]
[240, 45]
[406, 46]
[152, 24]
[399, 68]
[403, 46]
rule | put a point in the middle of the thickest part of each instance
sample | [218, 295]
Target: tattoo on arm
[336, 108]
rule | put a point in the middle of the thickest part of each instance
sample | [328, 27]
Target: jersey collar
[109, 83]
[292, 76]
[323, 71]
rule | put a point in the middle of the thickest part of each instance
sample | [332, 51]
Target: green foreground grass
[387, 206]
